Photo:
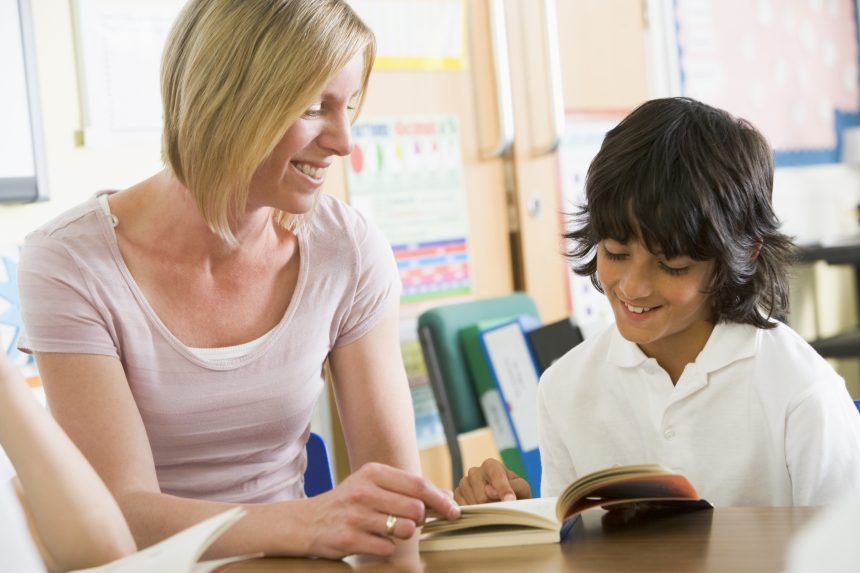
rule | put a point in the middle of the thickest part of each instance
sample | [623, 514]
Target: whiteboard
[22, 172]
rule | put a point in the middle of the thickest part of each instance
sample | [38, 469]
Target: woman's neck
[160, 211]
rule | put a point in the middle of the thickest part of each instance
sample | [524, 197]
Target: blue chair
[857, 403]
[318, 478]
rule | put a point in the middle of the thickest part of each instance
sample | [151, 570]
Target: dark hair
[691, 180]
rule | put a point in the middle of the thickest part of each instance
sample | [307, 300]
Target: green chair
[438, 332]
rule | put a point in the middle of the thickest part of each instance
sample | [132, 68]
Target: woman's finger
[412, 486]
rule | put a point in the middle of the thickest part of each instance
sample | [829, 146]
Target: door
[566, 56]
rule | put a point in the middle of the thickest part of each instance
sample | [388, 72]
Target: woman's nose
[337, 136]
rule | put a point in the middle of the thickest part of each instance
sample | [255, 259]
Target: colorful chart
[406, 176]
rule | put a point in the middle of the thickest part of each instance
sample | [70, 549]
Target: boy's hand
[491, 482]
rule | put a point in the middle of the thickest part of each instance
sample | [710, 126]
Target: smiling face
[659, 303]
[289, 178]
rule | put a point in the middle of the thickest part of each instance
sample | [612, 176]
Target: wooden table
[725, 539]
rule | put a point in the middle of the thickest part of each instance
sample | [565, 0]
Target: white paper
[180, 552]
[119, 50]
[517, 376]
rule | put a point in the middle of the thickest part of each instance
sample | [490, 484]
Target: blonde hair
[235, 75]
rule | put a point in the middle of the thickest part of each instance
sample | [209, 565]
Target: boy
[679, 233]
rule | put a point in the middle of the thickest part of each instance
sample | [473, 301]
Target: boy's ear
[756, 250]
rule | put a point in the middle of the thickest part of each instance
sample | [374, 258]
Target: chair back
[438, 331]
[318, 478]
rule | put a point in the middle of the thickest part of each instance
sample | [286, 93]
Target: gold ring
[390, 522]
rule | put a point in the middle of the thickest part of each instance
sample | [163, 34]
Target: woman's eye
[313, 111]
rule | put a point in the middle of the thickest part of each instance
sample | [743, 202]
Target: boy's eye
[612, 256]
[674, 270]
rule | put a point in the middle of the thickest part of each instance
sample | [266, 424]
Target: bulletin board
[22, 165]
[790, 67]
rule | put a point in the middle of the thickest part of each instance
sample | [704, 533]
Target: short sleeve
[823, 445]
[377, 286]
[57, 306]
[557, 469]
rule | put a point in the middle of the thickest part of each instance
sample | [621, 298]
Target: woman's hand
[491, 482]
[355, 516]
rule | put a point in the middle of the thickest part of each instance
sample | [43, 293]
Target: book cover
[644, 489]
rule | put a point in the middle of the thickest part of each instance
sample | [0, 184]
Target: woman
[696, 374]
[181, 325]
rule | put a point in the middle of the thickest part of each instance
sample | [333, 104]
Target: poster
[583, 136]
[416, 35]
[790, 67]
[405, 175]
[119, 47]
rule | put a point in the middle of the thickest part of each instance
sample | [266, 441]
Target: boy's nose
[636, 283]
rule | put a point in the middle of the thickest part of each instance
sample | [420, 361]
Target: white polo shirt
[758, 419]
[17, 551]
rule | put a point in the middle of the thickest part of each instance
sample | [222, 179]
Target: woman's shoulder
[70, 226]
[337, 223]
[332, 211]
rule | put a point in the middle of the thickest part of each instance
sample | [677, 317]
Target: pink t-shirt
[230, 431]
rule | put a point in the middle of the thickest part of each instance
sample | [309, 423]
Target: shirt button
[668, 433]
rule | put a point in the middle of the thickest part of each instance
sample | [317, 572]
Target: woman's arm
[375, 408]
[74, 516]
[373, 398]
[91, 400]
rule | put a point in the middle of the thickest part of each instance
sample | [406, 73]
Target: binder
[506, 379]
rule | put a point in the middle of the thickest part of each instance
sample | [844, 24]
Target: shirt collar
[728, 343]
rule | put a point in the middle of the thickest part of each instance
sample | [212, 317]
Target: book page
[537, 513]
[180, 552]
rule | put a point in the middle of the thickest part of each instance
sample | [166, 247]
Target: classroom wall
[74, 172]
[815, 203]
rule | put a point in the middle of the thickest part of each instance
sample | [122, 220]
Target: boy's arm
[77, 522]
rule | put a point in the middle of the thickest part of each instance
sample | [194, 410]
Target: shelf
[845, 345]
[846, 251]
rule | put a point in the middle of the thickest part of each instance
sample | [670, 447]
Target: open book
[180, 552]
[531, 521]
